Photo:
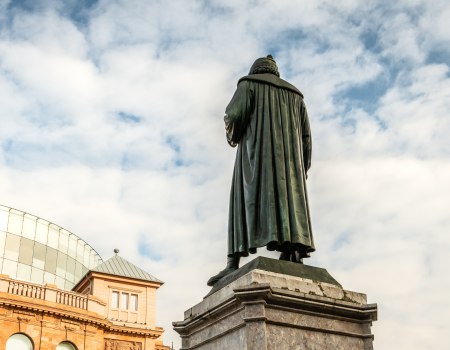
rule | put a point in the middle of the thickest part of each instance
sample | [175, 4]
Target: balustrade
[72, 299]
[49, 293]
[26, 289]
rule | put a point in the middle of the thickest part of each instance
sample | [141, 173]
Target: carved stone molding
[111, 344]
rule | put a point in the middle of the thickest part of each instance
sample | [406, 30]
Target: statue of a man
[267, 120]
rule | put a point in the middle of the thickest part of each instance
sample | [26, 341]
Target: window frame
[64, 342]
[124, 299]
[115, 303]
[136, 303]
[23, 334]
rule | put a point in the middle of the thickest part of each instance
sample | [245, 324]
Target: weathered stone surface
[278, 266]
[268, 310]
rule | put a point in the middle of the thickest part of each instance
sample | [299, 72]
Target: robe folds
[267, 120]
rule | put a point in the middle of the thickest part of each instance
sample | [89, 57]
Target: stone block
[271, 304]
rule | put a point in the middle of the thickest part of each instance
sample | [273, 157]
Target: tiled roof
[120, 267]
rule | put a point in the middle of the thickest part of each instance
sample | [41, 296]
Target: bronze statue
[267, 120]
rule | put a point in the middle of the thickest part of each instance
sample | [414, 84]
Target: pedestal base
[264, 310]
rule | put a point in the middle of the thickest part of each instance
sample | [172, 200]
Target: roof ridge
[116, 265]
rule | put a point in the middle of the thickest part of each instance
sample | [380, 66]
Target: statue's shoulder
[272, 79]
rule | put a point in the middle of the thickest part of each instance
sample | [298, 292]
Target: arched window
[65, 345]
[19, 341]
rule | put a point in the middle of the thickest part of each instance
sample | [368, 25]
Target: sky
[111, 126]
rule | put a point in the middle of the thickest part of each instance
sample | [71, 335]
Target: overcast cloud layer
[111, 126]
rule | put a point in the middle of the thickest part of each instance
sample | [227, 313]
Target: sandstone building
[57, 293]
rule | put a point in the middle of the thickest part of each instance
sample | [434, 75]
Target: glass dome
[35, 250]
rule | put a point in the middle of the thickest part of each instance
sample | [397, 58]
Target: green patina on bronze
[267, 120]
[268, 78]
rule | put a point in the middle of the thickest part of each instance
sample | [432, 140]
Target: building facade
[112, 306]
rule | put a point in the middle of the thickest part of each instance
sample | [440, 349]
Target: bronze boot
[232, 265]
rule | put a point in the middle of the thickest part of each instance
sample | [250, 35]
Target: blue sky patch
[26, 155]
[341, 241]
[370, 40]
[213, 10]
[26, 5]
[365, 96]
[439, 56]
[147, 250]
[179, 159]
[126, 163]
[128, 117]
[77, 10]
[173, 143]
[280, 41]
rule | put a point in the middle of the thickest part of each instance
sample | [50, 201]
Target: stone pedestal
[276, 305]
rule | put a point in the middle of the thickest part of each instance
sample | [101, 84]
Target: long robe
[267, 120]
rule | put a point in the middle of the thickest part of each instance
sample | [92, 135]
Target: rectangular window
[23, 272]
[3, 220]
[50, 260]
[15, 223]
[29, 226]
[70, 272]
[12, 246]
[61, 263]
[26, 251]
[10, 268]
[53, 236]
[41, 231]
[37, 275]
[63, 242]
[115, 300]
[125, 297]
[134, 302]
[39, 255]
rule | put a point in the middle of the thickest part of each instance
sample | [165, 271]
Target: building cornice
[72, 313]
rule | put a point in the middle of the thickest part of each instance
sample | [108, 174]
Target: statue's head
[265, 65]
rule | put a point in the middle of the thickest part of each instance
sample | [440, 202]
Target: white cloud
[415, 112]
